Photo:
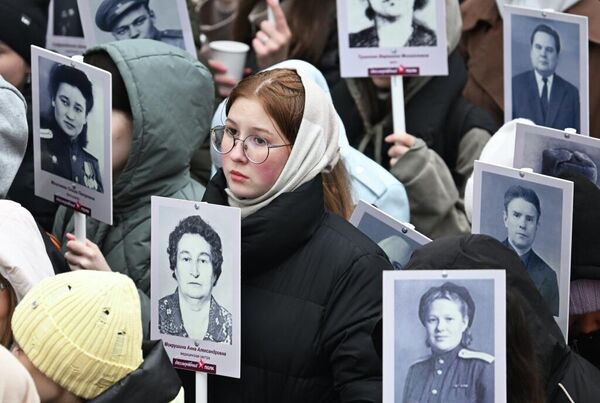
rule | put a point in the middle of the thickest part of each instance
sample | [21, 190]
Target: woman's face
[445, 325]
[13, 67]
[392, 8]
[246, 179]
[194, 270]
[70, 110]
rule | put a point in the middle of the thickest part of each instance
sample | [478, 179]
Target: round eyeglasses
[256, 148]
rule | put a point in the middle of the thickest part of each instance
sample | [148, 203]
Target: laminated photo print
[115, 20]
[65, 33]
[553, 152]
[398, 240]
[392, 37]
[195, 284]
[531, 214]
[444, 336]
[72, 105]
[546, 68]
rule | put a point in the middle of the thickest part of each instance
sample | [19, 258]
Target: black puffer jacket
[311, 295]
[154, 381]
[563, 371]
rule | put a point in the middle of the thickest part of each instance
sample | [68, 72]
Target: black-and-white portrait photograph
[392, 23]
[443, 329]
[195, 281]
[64, 34]
[392, 37]
[66, 103]
[550, 85]
[398, 240]
[72, 126]
[554, 152]
[109, 20]
[66, 18]
[531, 214]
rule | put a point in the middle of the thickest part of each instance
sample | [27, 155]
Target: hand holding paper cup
[232, 55]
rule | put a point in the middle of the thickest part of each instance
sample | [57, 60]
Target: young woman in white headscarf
[311, 283]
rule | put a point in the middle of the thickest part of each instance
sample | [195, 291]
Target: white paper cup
[232, 54]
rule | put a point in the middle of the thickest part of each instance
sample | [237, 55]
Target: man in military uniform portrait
[131, 19]
[521, 217]
[64, 133]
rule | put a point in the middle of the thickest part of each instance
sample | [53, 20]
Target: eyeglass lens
[255, 148]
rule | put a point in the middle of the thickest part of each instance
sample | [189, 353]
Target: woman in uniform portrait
[64, 133]
[452, 374]
[195, 257]
[394, 25]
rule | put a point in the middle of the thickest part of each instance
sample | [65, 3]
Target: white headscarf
[23, 258]
[315, 150]
[556, 5]
[500, 150]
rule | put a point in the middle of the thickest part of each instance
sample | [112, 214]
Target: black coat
[558, 364]
[311, 295]
[154, 380]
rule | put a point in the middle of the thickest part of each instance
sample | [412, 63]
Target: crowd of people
[294, 146]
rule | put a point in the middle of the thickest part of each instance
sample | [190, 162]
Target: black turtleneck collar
[275, 232]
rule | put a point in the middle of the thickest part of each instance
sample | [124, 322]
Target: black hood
[154, 381]
[482, 252]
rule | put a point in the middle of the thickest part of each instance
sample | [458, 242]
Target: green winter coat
[171, 96]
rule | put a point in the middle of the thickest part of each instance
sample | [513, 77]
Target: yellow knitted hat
[81, 329]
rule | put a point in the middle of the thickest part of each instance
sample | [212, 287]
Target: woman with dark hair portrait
[63, 134]
[195, 257]
[394, 25]
[452, 373]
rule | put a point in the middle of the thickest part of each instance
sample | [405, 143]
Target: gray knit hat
[13, 133]
[584, 297]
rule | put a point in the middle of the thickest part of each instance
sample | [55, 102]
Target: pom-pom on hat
[22, 24]
[584, 297]
[81, 329]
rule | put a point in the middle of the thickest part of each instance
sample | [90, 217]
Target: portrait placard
[552, 152]
[444, 335]
[195, 284]
[114, 20]
[550, 85]
[398, 240]
[72, 105]
[64, 34]
[388, 38]
[533, 215]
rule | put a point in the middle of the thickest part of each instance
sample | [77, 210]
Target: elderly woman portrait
[64, 132]
[195, 257]
[394, 25]
[452, 373]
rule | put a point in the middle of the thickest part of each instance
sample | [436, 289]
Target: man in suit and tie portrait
[540, 94]
[521, 216]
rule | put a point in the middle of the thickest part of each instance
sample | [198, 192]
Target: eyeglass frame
[236, 139]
